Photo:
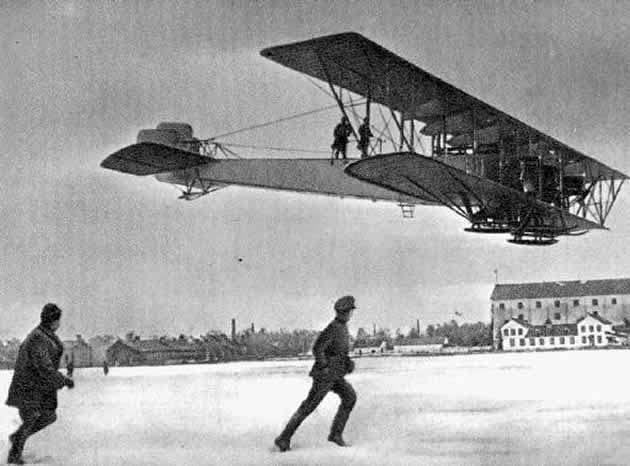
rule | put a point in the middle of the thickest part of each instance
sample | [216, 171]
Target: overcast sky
[78, 80]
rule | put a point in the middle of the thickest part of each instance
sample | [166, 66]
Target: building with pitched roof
[560, 303]
[590, 331]
[153, 351]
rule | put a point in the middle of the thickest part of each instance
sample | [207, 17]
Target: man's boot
[338, 425]
[283, 441]
[15, 453]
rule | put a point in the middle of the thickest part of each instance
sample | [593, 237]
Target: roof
[561, 289]
[595, 316]
[558, 330]
[518, 321]
[423, 340]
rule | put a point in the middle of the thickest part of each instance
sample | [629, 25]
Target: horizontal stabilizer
[148, 158]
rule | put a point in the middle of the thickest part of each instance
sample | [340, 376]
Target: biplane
[496, 171]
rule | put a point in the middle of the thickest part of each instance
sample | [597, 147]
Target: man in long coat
[332, 363]
[36, 379]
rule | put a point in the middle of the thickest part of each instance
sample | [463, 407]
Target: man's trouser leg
[318, 391]
[33, 420]
[348, 399]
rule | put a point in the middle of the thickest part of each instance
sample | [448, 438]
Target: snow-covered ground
[554, 408]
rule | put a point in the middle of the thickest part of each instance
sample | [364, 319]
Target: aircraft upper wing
[427, 178]
[361, 66]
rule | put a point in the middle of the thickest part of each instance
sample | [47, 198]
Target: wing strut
[334, 92]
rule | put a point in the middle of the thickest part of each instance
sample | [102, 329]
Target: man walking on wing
[36, 379]
[331, 365]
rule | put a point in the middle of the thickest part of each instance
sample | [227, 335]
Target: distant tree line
[467, 334]
[262, 344]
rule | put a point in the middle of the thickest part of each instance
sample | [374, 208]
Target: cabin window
[506, 332]
[551, 341]
[521, 317]
[541, 341]
[595, 302]
[557, 316]
[599, 338]
[572, 340]
[520, 305]
[562, 340]
[511, 341]
[584, 340]
[520, 331]
[599, 328]
[556, 303]
[522, 342]
[613, 301]
[576, 302]
[501, 306]
[583, 328]
[538, 304]
[532, 342]
[590, 328]
[512, 331]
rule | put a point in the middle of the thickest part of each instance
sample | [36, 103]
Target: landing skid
[534, 241]
[197, 187]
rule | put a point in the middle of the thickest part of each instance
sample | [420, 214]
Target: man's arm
[43, 364]
[322, 342]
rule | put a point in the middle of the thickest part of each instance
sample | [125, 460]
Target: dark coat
[331, 352]
[36, 377]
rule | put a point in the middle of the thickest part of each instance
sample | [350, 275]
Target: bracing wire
[273, 148]
[279, 120]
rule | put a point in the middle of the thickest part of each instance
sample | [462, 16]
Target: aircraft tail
[149, 158]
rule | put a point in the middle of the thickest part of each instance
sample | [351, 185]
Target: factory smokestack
[233, 329]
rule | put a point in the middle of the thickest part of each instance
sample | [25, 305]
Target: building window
[511, 341]
[562, 340]
[520, 317]
[583, 328]
[595, 302]
[512, 331]
[541, 341]
[613, 301]
[590, 328]
[572, 340]
[584, 340]
[506, 332]
[501, 306]
[556, 303]
[522, 341]
[520, 305]
[556, 316]
[576, 302]
[532, 342]
[551, 341]
[538, 304]
[599, 328]
[520, 331]
[599, 338]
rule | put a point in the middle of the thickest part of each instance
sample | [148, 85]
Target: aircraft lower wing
[477, 199]
[200, 175]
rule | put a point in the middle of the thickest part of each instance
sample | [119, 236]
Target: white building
[563, 302]
[422, 345]
[370, 350]
[590, 331]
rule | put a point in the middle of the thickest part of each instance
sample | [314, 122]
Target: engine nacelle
[172, 134]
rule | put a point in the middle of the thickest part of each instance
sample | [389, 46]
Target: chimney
[253, 328]
[233, 329]
[418, 326]
[374, 329]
